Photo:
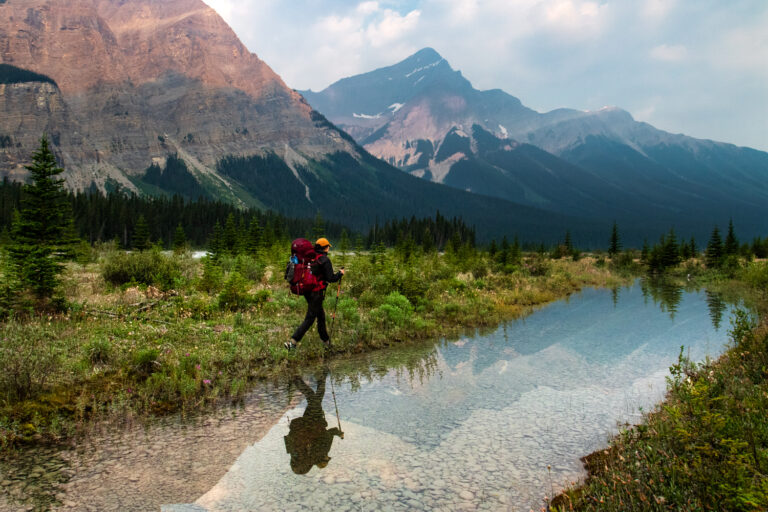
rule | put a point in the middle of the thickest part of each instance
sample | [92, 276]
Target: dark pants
[314, 311]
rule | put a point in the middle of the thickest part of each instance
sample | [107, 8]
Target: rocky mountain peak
[86, 43]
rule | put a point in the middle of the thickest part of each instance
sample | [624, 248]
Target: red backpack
[298, 272]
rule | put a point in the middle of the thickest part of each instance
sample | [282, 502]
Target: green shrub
[235, 294]
[756, 275]
[537, 266]
[249, 267]
[30, 357]
[395, 311]
[347, 311]
[213, 276]
[412, 285]
[145, 267]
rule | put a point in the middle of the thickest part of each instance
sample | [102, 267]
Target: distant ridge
[426, 118]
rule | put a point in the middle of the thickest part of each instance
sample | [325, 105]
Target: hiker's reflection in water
[308, 440]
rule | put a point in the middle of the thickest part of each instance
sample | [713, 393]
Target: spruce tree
[713, 256]
[216, 242]
[515, 253]
[670, 251]
[615, 245]
[492, 249]
[254, 236]
[230, 235]
[141, 241]
[37, 230]
[503, 257]
[731, 246]
[692, 245]
[318, 230]
[179, 239]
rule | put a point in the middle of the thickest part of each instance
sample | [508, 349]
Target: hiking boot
[290, 344]
[326, 344]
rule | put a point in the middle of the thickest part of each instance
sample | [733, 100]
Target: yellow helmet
[323, 242]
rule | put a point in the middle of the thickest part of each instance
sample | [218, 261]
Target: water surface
[489, 422]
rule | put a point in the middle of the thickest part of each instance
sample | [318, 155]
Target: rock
[466, 495]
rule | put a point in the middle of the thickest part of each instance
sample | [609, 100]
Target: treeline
[116, 216]
[718, 253]
[136, 222]
[428, 233]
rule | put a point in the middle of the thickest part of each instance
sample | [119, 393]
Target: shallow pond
[491, 421]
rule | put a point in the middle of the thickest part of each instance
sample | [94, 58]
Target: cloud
[391, 27]
[366, 8]
[656, 10]
[667, 53]
[550, 53]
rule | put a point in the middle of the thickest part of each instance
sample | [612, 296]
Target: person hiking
[322, 269]
[309, 441]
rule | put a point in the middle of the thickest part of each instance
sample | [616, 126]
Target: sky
[698, 67]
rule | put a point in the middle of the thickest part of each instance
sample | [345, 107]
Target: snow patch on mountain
[395, 107]
[423, 68]
[419, 80]
[504, 131]
[366, 116]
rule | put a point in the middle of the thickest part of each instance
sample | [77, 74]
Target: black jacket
[323, 270]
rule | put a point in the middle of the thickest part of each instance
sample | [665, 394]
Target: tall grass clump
[30, 358]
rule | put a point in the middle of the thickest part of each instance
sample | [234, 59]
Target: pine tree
[713, 257]
[318, 230]
[216, 242]
[36, 232]
[645, 252]
[344, 246]
[141, 241]
[568, 243]
[515, 253]
[615, 245]
[254, 236]
[179, 239]
[692, 245]
[492, 249]
[731, 246]
[670, 251]
[503, 257]
[230, 235]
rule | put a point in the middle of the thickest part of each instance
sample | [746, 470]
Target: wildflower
[206, 381]
[197, 366]
[186, 355]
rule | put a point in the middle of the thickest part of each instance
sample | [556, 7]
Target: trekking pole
[333, 392]
[333, 318]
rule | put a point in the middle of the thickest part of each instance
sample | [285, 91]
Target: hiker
[322, 269]
[308, 441]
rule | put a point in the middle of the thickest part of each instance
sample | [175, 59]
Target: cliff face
[138, 80]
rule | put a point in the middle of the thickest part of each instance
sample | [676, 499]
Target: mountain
[160, 97]
[427, 119]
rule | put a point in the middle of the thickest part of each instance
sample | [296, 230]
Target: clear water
[493, 421]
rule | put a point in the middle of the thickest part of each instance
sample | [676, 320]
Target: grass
[147, 333]
[706, 446]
